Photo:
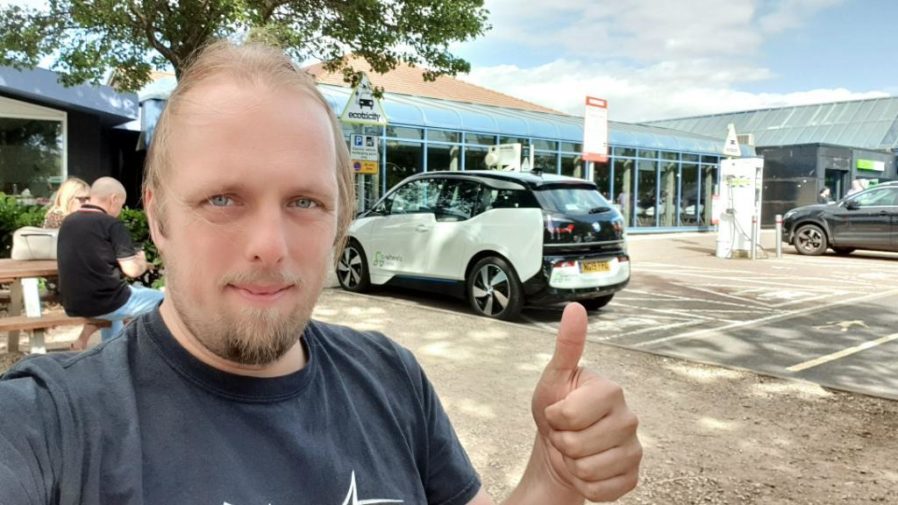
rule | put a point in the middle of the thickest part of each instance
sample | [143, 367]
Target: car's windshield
[572, 200]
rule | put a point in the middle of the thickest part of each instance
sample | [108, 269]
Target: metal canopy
[867, 124]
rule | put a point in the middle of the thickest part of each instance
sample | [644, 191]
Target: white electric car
[499, 239]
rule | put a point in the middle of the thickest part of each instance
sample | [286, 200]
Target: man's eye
[304, 203]
[220, 201]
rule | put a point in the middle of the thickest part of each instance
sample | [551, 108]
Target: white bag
[33, 243]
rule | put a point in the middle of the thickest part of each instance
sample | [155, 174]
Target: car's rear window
[571, 200]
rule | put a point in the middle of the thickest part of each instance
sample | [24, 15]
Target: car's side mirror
[852, 205]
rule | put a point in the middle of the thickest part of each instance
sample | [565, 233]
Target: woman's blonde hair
[251, 64]
[70, 190]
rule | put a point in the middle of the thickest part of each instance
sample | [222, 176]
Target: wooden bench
[47, 320]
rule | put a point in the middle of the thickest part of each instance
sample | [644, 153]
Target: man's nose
[266, 236]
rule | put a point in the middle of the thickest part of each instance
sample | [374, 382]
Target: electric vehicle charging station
[739, 221]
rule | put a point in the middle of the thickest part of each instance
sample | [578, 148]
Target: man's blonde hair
[251, 64]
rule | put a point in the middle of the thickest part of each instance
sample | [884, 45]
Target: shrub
[14, 215]
[136, 222]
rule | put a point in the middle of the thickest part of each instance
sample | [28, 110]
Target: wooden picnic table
[13, 272]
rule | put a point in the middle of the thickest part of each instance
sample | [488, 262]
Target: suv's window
[878, 198]
[509, 199]
[572, 200]
[413, 197]
[459, 200]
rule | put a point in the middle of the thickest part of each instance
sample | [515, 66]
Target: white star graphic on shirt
[352, 497]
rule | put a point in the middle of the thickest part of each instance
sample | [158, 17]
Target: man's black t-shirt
[89, 246]
[138, 420]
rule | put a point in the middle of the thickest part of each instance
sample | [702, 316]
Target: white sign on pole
[363, 107]
[363, 147]
[595, 130]
[731, 148]
[364, 154]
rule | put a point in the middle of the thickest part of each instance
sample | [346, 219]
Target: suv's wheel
[596, 303]
[493, 289]
[843, 251]
[352, 269]
[810, 240]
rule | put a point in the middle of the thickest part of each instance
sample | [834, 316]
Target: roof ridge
[763, 109]
[404, 69]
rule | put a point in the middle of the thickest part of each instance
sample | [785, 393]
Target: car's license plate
[590, 267]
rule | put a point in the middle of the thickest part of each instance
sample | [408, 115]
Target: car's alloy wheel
[810, 240]
[596, 303]
[352, 269]
[494, 289]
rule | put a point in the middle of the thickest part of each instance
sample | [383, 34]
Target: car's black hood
[807, 209]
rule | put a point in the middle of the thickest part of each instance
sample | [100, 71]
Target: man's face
[250, 217]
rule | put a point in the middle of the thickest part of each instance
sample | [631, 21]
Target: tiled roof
[407, 80]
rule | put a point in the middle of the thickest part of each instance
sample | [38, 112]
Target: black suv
[865, 220]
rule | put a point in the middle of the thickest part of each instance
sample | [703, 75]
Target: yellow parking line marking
[841, 354]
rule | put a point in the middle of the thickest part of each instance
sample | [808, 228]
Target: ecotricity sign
[875, 166]
[363, 107]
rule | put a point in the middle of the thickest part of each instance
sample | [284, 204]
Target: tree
[88, 38]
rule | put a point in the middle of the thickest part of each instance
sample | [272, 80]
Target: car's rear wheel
[596, 303]
[494, 290]
[810, 240]
[352, 269]
[843, 251]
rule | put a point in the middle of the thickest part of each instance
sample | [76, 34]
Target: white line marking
[843, 353]
[774, 317]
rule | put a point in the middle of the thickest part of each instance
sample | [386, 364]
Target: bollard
[779, 235]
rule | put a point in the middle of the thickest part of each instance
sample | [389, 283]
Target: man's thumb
[571, 339]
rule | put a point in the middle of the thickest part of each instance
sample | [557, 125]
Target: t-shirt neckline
[231, 386]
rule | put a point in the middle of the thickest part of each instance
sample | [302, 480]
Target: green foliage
[136, 222]
[13, 216]
[89, 37]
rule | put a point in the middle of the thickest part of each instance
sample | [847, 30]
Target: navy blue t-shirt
[138, 420]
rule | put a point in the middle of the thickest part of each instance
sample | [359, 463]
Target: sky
[659, 59]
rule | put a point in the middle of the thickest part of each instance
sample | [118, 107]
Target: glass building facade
[660, 181]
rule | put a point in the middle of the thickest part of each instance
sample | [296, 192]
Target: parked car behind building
[499, 239]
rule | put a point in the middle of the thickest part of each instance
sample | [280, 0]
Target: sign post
[595, 130]
[364, 153]
[363, 107]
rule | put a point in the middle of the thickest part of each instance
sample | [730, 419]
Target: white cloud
[651, 59]
[660, 91]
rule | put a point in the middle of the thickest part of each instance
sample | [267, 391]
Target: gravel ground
[711, 435]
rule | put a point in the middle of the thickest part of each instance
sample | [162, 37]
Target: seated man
[94, 249]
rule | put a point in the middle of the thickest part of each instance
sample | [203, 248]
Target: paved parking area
[829, 320]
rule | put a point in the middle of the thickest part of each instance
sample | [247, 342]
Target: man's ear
[150, 205]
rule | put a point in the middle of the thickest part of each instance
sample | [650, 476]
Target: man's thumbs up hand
[586, 430]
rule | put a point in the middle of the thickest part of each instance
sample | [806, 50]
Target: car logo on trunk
[597, 226]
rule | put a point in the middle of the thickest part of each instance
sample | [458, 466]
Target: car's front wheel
[352, 269]
[810, 240]
[494, 290]
[596, 303]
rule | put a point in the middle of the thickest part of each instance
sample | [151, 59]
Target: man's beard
[251, 336]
